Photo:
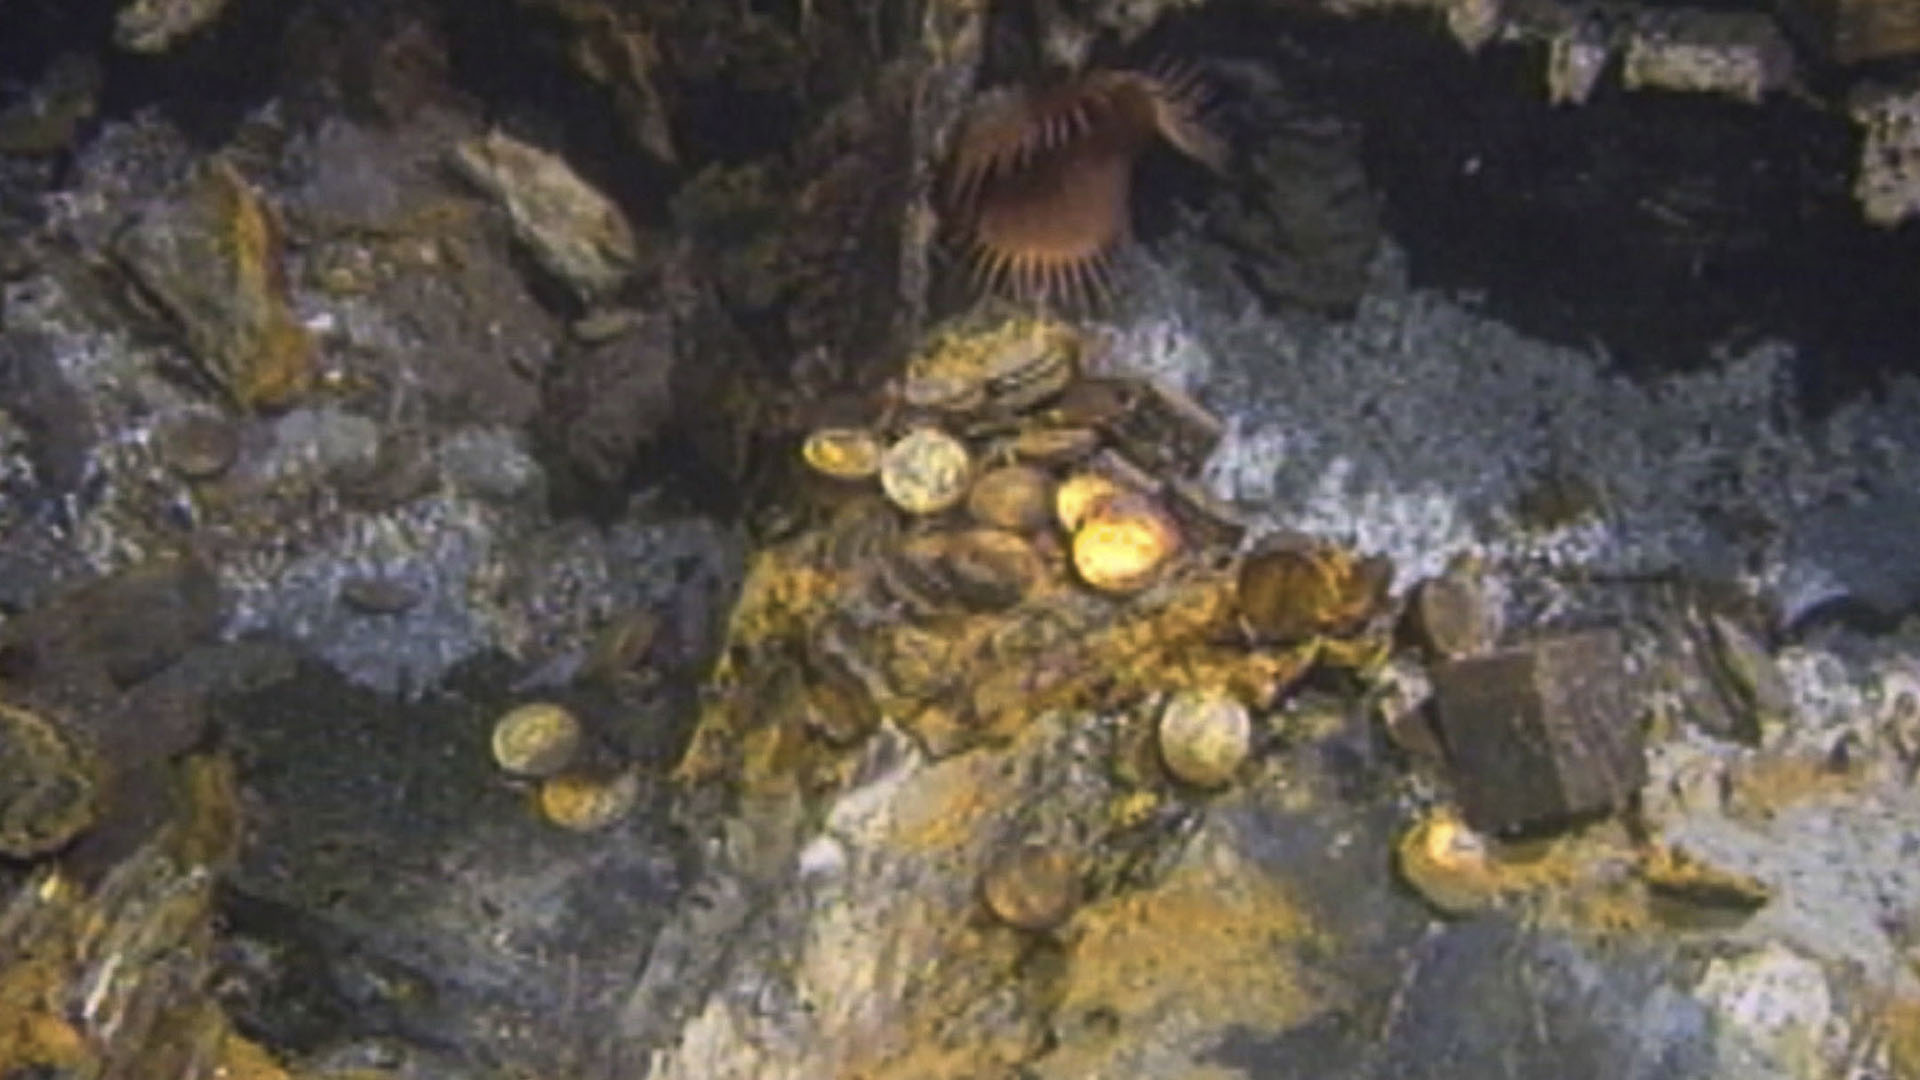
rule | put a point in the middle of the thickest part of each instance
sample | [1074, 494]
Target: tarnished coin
[1032, 888]
[1016, 497]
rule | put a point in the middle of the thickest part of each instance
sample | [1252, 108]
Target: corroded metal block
[1540, 734]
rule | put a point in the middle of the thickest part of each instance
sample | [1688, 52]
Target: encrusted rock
[212, 258]
[48, 790]
[152, 26]
[575, 233]
[1541, 734]
[1887, 185]
[1740, 55]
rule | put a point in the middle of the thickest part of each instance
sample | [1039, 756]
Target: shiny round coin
[843, 453]
[1123, 544]
[536, 740]
[925, 472]
[1205, 736]
[588, 801]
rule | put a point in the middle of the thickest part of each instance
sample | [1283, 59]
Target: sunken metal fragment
[1541, 734]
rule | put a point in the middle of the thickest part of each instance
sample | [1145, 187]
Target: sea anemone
[1041, 178]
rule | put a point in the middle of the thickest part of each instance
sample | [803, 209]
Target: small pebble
[198, 445]
[536, 740]
[378, 595]
[1451, 617]
[1205, 736]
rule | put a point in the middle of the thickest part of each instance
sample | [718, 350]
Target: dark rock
[144, 620]
[47, 407]
[127, 628]
[1540, 734]
[605, 403]
[378, 595]
[1304, 225]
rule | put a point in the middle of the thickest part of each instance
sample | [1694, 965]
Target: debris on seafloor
[1542, 734]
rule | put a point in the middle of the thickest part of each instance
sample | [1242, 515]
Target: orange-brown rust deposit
[1042, 179]
[1205, 942]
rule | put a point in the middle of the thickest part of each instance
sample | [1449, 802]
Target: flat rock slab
[1541, 734]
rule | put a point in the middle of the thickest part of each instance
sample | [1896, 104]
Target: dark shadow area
[1662, 228]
